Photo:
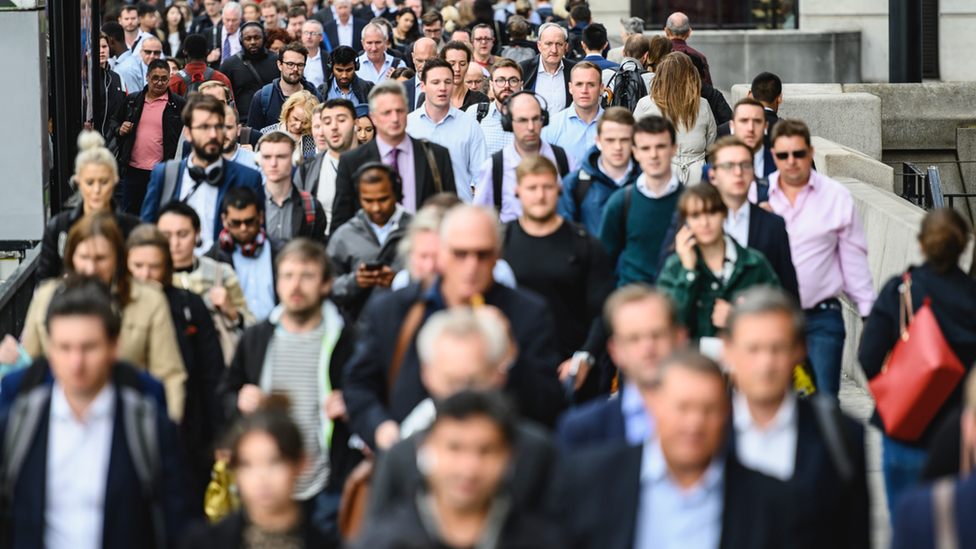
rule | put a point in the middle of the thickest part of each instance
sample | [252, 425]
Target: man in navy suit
[344, 17]
[767, 88]
[93, 460]
[749, 124]
[202, 179]
[644, 330]
[808, 444]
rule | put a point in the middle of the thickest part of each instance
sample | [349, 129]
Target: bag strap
[411, 323]
[497, 169]
[184, 76]
[250, 66]
[583, 184]
[208, 73]
[438, 186]
[944, 514]
[906, 311]
[309, 206]
[831, 423]
[625, 211]
[171, 176]
[561, 161]
[483, 111]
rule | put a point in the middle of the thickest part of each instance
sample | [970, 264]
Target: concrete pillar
[868, 16]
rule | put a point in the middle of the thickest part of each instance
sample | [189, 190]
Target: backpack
[192, 84]
[309, 206]
[498, 171]
[576, 52]
[627, 87]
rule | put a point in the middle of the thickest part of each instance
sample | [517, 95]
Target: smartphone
[373, 266]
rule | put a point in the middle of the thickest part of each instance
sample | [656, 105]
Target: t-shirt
[574, 282]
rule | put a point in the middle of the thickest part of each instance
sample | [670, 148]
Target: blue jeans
[825, 347]
[902, 466]
[323, 512]
[134, 186]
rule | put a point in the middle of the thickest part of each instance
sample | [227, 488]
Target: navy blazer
[767, 234]
[331, 31]
[914, 528]
[598, 422]
[235, 175]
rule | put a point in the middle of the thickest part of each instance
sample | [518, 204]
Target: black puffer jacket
[113, 95]
[51, 262]
[131, 111]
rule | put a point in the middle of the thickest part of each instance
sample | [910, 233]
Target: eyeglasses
[291, 65]
[731, 166]
[249, 222]
[796, 154]
[512, 82]
[159, 80]
[154, 53]
[310, 33]
[484, 39]
[482, 255]
[207, 129]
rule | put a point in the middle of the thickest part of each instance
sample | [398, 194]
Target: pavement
[857, 403]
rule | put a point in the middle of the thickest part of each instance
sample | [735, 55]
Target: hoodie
[590, 210]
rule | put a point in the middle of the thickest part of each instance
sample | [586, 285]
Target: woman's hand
[684, 245]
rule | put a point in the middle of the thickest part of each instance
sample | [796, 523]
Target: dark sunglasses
[249, 222]
[796, 154]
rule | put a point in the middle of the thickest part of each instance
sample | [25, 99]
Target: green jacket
[694, 292]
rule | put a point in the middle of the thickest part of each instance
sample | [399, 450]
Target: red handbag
[919, 374]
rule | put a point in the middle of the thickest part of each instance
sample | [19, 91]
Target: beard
[292, 82]
[202, 152]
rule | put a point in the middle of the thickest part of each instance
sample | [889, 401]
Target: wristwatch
[581, 356]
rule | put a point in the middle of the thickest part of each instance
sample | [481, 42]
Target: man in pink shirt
[827, 243]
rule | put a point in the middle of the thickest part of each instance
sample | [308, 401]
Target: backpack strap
[583, 183]
[482, 111]
[762, 190]
[581, 245]
[266, 92]
[562, 162]
[208, 74]
[245, 137]
[142, 438]
[185, 77]
[25, 416]
[309, 205]
[944, 514]
[171, 176]
[625, 210]
[497, 171]
[833, 428]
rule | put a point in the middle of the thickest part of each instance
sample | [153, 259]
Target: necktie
[393, 159]
[225, 53]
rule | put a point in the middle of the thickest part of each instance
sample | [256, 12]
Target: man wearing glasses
[828, 244]
[483, 38]
[506, 79]
[316, 66]
[202, 179]
[266, 104]
[548, 74]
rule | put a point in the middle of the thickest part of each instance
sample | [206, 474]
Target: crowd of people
[390, 274]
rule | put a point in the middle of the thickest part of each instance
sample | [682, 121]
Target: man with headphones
[251, 69]
[289, 212]
[202, 179]
[341, 80]
[363, 251]
[524, 115]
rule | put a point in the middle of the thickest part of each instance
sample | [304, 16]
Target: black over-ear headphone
[200, 175]
[506, 117]
[394, 177]
[330, 64]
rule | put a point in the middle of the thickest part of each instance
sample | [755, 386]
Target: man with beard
[300, 351]
[251, 69]
[317, 176]
[343, 82]
[202, 179]
[232, 131]
[266, 106]
[506, 79]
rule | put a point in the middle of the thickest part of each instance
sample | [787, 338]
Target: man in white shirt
[375, 64]
[807, 444]
[315, 63]
[548, 74]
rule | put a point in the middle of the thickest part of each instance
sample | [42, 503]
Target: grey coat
[351, 245]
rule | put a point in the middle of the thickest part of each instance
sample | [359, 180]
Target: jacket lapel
[630, 494]
[755, 218]
[119, 469]
[297, 212]
[420, 179]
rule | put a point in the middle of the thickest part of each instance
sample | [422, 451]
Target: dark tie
[225, 53]
[393, 159]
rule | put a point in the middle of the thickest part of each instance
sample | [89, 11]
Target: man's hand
[249, 398]
[335, 407]
[387, 434]
[125, 129]
[384, 277]
[218, 296]
[766, 206]
[584, 370]
[366, 278]
[247, 147]
[720, 313]
[684, 245]
[214, 56]
[9, 350]
[389, 73]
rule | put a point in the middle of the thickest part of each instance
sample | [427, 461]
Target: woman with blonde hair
[296, 120]
[676, 95]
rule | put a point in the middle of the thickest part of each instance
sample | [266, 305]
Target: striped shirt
[496, 138]
[295, 373]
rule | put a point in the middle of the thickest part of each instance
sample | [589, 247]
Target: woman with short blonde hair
[296, 119]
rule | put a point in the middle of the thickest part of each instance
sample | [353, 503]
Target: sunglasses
[249, 222]
[796, 154]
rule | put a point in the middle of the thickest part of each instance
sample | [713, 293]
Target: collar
[672, 187]
[317, 56]
[655, 469]
[813, 182]
[103, 406]
[452, 112]
[330, 315]
[631, 402]
[237, 152]
[571, 113]
[731, 255]
[405, 146]
[364, 59]
[742, 418]
[344, 25]
[542, 67]
[622, 180]
[741, 214]
[392, 223]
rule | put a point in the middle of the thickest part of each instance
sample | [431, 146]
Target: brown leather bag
[355, 492]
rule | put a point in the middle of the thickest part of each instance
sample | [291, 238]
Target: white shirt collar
[670, 189]
[542, 68]
[655, 469]
[102, 407]
[619, 182]
[742, 418]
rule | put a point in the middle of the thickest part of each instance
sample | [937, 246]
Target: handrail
[935, 188]
[16, 293]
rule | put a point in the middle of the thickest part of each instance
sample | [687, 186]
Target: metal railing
[915, 185]
[16, 293]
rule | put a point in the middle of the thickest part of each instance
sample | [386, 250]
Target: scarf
[250, 249]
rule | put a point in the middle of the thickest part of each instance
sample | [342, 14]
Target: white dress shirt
[770, 450]
[623, 179]
[344, 32]
[327, 187]
[235, 42]
[672, 187]
[78, 454]
[736, 224]
[204, 202]
[552, 87]
[313, 69]
[759, 162]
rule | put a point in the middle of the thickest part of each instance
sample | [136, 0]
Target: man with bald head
[678, 29]
[469, 248]
[423, 49]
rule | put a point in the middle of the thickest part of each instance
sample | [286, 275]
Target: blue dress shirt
[462, 137]
[256, 275]
[368, 72]
[638, 422]
[570, 132]
[336, 93]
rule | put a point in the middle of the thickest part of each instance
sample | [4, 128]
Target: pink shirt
[827, 242]
[147, 150]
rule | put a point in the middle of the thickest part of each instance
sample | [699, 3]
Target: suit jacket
[771, 117]
[914, 520]
[597, 494]
[411, 87]
[530, 71]
[215, 40]
[306, 176]
[365, 12]
[331, 30]
[396, 477]
[599, 422]
[346, 198]
[157, 195]
[767, 234]
[324, 15]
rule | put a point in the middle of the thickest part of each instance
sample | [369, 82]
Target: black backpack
[576, 52]
[627, 86]
[191, 84]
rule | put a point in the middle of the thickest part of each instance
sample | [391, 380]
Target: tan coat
[148, 338]
[201, 279]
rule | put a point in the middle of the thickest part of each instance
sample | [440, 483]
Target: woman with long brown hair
[676, 95]
[95, 247]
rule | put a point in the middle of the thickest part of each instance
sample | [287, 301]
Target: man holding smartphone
[363, 251]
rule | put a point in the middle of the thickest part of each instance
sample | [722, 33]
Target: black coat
[246, 368]
[229, 534]
[346, 200]
[242, 79]
[396, 478]
[532, 380]
[131, 111]
[530, 71]
[598, 491]
[359, 87]
[716, 101]
[112, 97]
[953, 300]
[51, 262]
[331, 30]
